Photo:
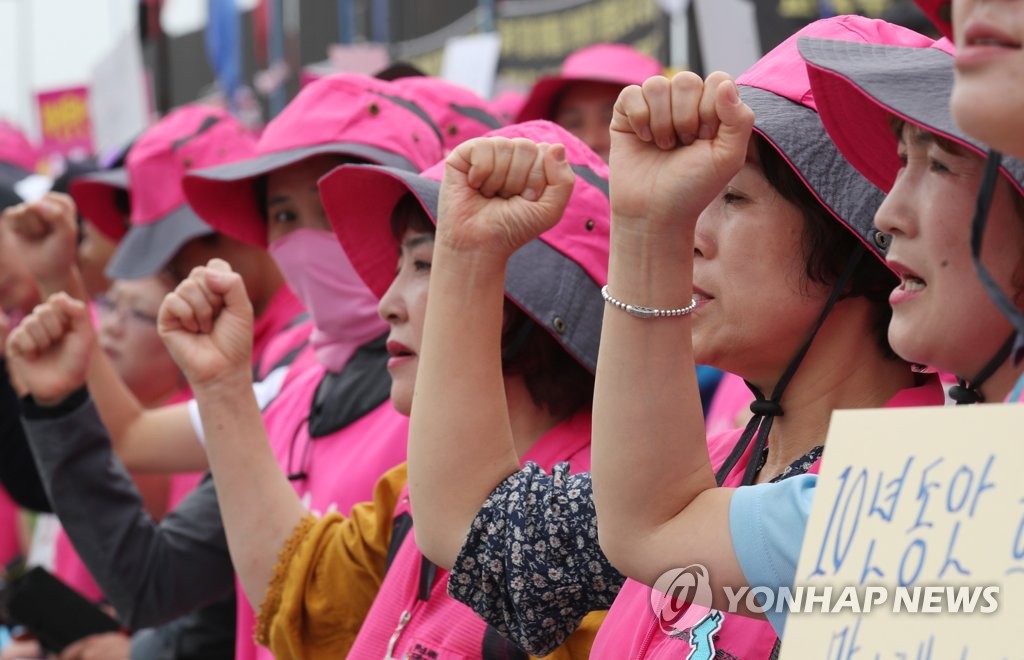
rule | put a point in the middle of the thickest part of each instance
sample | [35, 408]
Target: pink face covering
[343, 309]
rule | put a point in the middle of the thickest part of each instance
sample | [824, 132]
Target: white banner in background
[118, 97]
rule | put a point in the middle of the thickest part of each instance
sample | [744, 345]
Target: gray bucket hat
[858, 95]
[555, 278]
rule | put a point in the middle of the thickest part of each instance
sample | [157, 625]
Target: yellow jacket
[329, 573]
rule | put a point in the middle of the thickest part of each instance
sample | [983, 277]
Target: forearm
[67, 280]
[146, 440]
[259, 507]
[460, 437]
[151, 573]
[648, 426]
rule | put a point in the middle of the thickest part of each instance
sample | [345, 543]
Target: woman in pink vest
[932, 171]
[981, 101]
[550, 324]
[331, 429]
[791, 295]
[334, 433]
[752, 536]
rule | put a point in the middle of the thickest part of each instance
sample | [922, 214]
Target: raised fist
[48, 353]
[498, 194]
[47, 231]
[676, 143]
[207, 325]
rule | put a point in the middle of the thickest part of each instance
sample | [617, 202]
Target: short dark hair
[828, 244]
[408, 214]
[554, 379]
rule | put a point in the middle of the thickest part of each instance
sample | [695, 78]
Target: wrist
[467, 266]
[646, 245]
[228, 386]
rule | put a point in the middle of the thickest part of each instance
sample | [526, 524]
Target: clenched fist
[48, 353]
[676, 143]
[499, 193]
[207, 325]
[47, 232]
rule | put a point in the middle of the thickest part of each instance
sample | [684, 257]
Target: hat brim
[540, 103]
[362, 224]
[8, 197]
[858, 94]
[96, 197]
[10, 175]
[148, 249]
[797, 133]
[362, 221]
[225, 196]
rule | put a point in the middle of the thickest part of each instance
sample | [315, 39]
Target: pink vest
[338, 470]
[633, 630]
[731, 397]
[277, 327]
[402, 624]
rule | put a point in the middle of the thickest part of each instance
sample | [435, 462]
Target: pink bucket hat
[458, 113]
[16, 151]
[777, 88]
[556, 279]
[617, 64]
[17, 164]
[344, 114]
[103, 198]
[861, 86]
[161, 220]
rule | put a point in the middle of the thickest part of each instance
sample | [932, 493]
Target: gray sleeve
[152, 573]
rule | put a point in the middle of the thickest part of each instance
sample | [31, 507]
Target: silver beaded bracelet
[646, 312]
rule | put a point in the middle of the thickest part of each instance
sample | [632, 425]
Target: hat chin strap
[766, 410]
[969, 391]
[981, 209]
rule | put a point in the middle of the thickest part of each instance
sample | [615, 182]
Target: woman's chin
[401, 399]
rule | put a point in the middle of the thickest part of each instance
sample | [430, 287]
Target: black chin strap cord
[766, 410]
[966, 392]
[981, 210]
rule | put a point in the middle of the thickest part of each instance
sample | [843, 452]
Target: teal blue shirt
[767, 524]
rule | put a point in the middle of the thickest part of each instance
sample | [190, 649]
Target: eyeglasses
[108, 305]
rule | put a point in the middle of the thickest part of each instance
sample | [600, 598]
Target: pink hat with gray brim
[616, 64]
[862, 86]
[17, 167]
[556, 279]
[347, 115]
[16, 152]
[777, 88]
[458, 113]
[161, 220]
[96, 196]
